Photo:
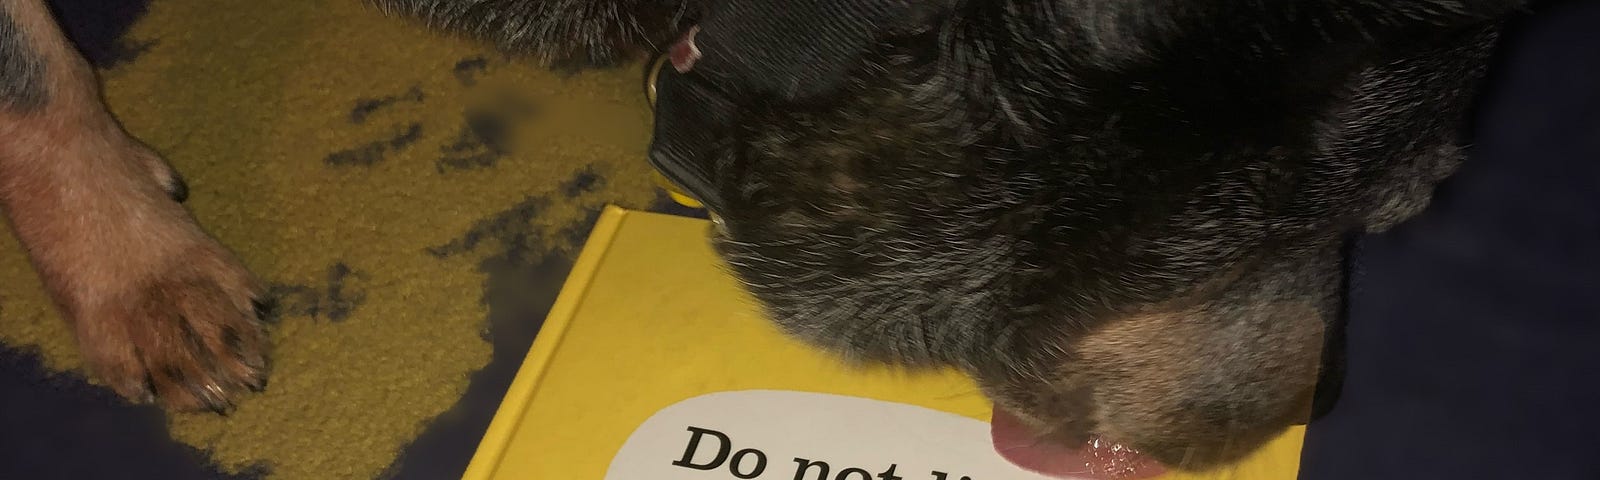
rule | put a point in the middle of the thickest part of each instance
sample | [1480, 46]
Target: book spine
[526, 384]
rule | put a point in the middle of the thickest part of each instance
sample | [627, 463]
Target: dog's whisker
[1188, 457]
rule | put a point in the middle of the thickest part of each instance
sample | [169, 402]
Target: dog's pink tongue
[1096, 460]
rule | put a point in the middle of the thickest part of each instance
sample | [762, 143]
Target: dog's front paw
[186, 332]
[162, 311]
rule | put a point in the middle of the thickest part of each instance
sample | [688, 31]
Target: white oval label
[783, 435]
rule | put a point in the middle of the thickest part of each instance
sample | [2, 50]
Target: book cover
[654, 365]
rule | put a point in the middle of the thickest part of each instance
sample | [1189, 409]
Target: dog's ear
[559, 33]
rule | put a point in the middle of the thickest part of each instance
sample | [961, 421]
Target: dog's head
[1122, 219]
[1087, 313]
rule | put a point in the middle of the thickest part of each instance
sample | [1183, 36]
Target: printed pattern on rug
[396, 187]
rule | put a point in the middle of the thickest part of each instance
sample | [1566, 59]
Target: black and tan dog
[1124, 218]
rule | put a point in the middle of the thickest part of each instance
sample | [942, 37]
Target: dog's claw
[257, 381]
[179, 190]
[263, 309]
[258, 385]
[144, 392]
[214, 398]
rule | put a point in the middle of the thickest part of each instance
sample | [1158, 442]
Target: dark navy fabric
[1473, 331]
[59, 426]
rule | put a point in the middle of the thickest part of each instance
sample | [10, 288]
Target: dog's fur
[159, 307]
[1121, 217]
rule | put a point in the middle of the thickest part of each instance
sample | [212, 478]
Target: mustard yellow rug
[397, 187]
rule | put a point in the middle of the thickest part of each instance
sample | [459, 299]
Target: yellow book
[654, 365]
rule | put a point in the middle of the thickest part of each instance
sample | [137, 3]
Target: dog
[1124, 219]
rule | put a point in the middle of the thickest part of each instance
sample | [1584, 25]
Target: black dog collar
[748, 52]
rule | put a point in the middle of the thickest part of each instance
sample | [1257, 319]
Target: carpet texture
[414, 200]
